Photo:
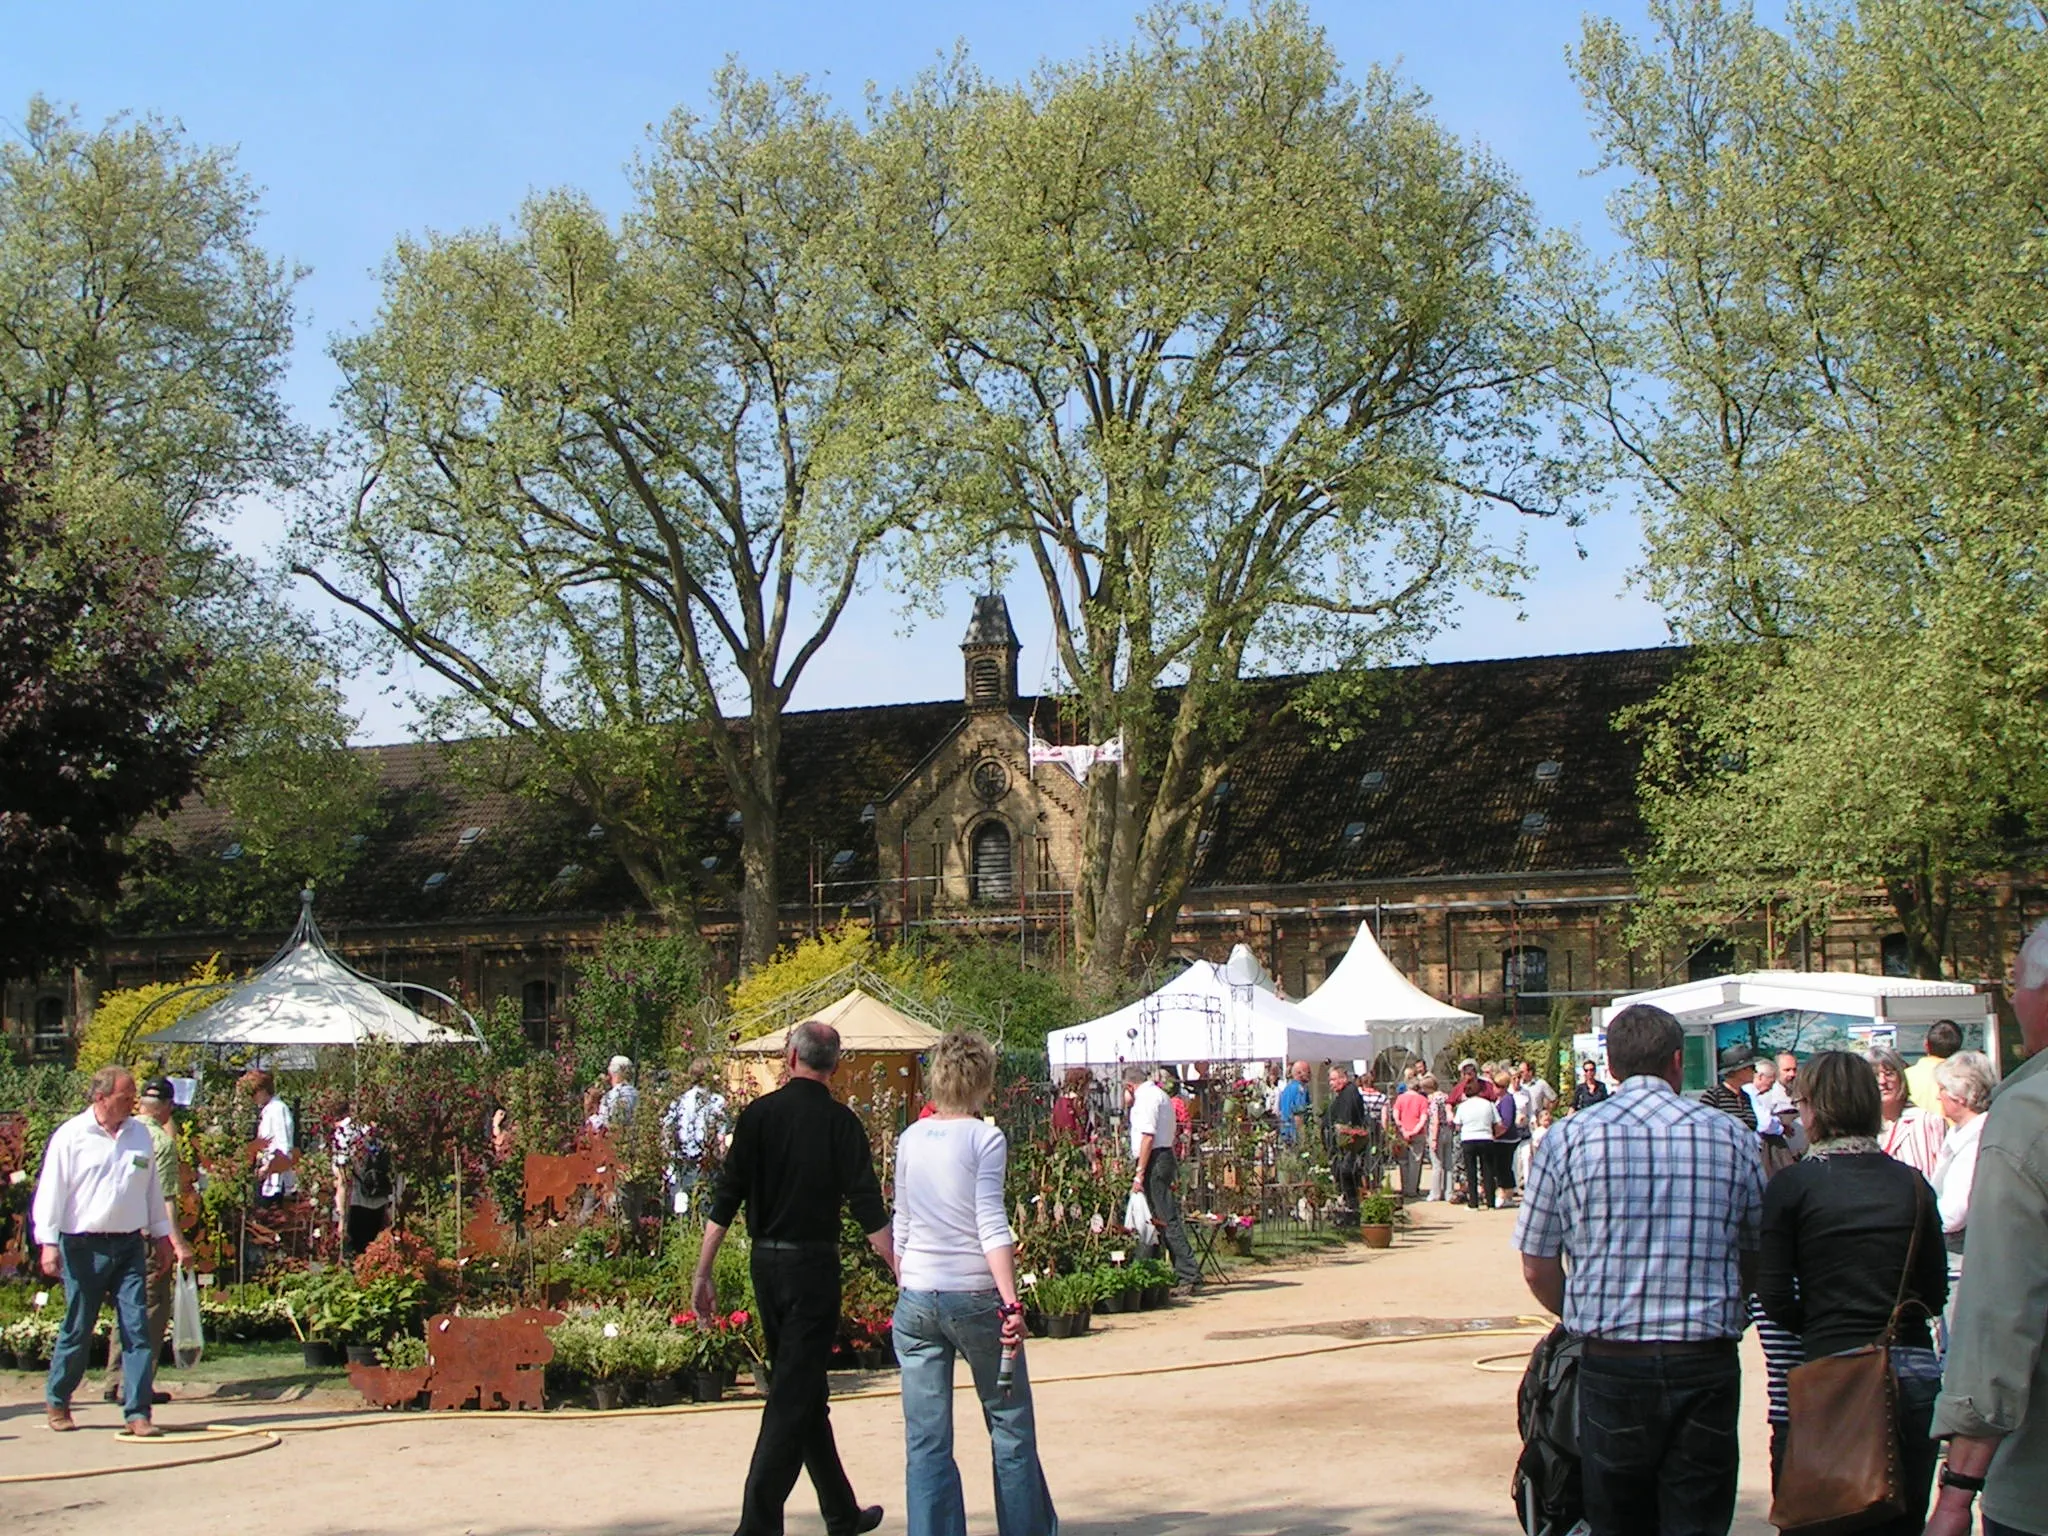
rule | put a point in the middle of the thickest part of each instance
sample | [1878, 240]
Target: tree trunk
[760, 894]
[1924, 903]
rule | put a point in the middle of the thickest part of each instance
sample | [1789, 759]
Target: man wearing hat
[1738, 1071]
[156, 1108]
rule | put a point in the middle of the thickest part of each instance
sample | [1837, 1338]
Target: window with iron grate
[994, 876]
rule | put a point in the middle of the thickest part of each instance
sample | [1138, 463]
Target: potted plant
[713, 1349]
[1237, 1232]
[1066, 1301]
[1154, 1278]
[1376, 1221]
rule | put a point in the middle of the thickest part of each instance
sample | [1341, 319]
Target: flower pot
[875, 1358]
[607, 1395]
[1377, 1236]
[361, 1354]
[1062, 1325]
[707, 1386]
[664, 1392]
[7, 1358]
[1159, 1295]
[1036, 1324]
[1087, 1317]
[319, 1355]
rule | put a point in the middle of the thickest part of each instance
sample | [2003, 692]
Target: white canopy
[1367, 992]
[1204, 1014]
[1880, 999]
[307, 996]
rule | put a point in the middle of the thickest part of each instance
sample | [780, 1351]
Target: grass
[231, 1369]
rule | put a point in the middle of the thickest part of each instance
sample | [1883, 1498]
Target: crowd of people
[1829, 1202]
[1825, 1202]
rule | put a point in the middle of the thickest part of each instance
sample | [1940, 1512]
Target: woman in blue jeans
[958, 1296]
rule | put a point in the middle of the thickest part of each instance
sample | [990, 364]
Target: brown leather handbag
[1842, 1454]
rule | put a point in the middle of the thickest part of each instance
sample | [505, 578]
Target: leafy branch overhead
[611, 475]
[1236, 353]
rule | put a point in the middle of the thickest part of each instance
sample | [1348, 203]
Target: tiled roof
[1443, 779]
[1457, 745]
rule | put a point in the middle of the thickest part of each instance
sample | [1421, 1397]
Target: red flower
[738, 1319]
[684, 1319]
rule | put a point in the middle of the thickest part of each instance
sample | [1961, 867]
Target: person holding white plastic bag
[157, 1109]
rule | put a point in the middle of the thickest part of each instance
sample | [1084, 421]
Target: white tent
[1367, 992]
[1205, 1014]
[307, 996]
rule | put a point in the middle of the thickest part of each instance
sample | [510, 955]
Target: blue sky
[363, 122]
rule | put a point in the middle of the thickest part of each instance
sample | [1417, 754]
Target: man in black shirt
[1347, 1134]
[1738, 1070]
[796, 1155]
[1590, 1090]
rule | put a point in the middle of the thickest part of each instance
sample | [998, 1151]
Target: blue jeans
[931, 1327]
[99, 1265]
[1657, 1448]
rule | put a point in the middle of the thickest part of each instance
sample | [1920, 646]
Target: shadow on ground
[1295, 1520]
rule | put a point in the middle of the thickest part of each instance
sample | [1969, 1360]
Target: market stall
[881, 1051]
[306, 996]
[1807, 1011]
[1212, 1013]
[1367, 992]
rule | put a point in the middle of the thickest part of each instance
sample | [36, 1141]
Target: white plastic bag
[188, 1334]
[1138, 1220]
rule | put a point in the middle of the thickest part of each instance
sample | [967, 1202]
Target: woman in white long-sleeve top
[958, 1296]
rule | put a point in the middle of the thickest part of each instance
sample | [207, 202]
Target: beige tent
[879, 1044]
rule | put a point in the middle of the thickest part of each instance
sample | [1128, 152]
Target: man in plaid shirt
[1640, 1229]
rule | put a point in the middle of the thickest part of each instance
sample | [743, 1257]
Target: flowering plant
[715, 1341]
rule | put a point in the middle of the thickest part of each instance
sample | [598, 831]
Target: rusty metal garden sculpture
[492, 1363]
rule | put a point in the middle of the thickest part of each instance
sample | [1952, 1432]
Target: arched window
[537, 1001]
[51, 1035]
[1525, 969]
[995, 877]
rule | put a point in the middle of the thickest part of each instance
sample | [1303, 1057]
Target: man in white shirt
[279, 1134]
[99, 1208]
[696, 1124]
[1155, 1168]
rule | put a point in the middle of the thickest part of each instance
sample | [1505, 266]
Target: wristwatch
[1951, 1478]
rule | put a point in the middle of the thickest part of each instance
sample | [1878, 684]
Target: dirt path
[1405, 1439]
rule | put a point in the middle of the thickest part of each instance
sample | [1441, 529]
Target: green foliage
[612, 470]
[1014, 1003]
[149, 331]
[404, 1352]
[1246, 343]
[1376, 1211]
[812, 959]
[1063, 1295]
[1482, 1043]
[332, 1305]
[1819, 372]
[115, 1013]
[640, 995]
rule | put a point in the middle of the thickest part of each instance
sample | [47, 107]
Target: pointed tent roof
[308, 996]
[1367, 992]
[1209, 1012]
[864, 1022]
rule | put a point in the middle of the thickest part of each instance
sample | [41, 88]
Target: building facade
[1481, 818]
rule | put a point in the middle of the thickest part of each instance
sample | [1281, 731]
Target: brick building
[1481, 819]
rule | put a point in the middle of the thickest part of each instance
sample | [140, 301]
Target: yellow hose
[267, 1436]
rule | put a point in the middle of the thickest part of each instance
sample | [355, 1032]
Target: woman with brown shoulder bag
[1852, 1261]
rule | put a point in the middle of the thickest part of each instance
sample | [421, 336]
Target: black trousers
[1657, 1447]
[363, 1226]
[1482, 1173]
[796, 1291]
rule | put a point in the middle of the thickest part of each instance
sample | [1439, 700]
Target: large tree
[615, 474]
[1236, 353]
[144, 331]
[1822, 368]
[97, 721]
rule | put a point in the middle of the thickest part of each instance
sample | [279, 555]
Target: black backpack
[1545, 1487]
[373, 1171]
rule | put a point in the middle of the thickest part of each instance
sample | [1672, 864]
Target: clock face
[991, 780]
